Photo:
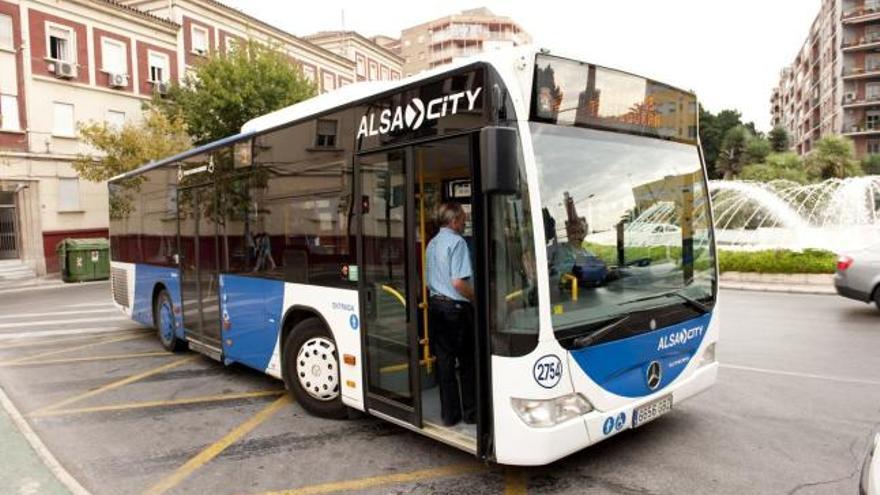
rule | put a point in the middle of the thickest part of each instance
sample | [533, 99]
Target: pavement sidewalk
[24, 471]
[796, 283]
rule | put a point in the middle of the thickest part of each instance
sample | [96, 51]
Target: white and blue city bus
[297, 248]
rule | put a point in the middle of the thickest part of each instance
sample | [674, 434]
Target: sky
[728, 52]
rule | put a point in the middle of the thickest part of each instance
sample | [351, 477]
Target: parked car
[870, 483]
[858, 275]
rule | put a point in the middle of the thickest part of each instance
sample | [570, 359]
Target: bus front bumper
[539, 446]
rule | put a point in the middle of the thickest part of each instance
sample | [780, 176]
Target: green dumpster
[84, 259]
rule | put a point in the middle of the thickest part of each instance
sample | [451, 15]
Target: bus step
[206, 349]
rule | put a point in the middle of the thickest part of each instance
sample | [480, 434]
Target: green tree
[121, 149]
[712, 131]
[227, 90]
[777, 166]
[779, 139]
[757, 149]
[871, 164]
[833, 156]
[733, 155]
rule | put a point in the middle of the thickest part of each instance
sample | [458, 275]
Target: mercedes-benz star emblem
[654, 374]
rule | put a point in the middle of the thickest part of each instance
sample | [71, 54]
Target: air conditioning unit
[162, 88]
[117, 80]
[200, 51]
[64, 70]
[849, 97]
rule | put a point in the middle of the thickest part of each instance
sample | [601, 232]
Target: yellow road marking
[114, 385]
[70, 349]
[50, 341]
[388, 479]
[159, 403]
[87, 359]
[515, 481]
[217, 447]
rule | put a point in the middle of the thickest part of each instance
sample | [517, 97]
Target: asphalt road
[797, 400]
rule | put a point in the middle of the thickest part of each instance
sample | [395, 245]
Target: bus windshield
[627, 230]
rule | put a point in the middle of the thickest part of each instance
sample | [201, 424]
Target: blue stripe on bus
[252, 307]
[621, 366]
[146, 278]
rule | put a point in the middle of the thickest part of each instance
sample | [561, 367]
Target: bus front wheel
[163, 319]
[312, 369]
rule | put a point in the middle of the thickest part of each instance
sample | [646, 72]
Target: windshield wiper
[599, 333]
[698, 305]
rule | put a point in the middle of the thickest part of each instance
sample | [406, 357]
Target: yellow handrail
[574, 285]
[395, 293]
[424, 304]
[513, 295]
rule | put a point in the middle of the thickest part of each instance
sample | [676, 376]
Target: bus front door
[388, 287]
[198, 265]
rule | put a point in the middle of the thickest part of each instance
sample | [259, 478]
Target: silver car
[858, 275]
[870, 483]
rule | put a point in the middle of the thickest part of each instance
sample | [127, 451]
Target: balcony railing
[851, 99]
[861, 128]
[860, 14]
[862, 42]
[857, 72]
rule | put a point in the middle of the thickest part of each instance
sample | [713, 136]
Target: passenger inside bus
[449, 272]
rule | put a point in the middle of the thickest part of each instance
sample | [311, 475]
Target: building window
[309, 73]
[374, 71]
[62, 122]
[113, 56]
[395, 76]
[873, 146]
[421, 38]
[385, 73]
[6, 39]
[60, 43]
[328, 82]
[158, 67]
[326, 134]
[231, 44]
[199, 37]
[872, 120]
[68, 194]
[115, 119]
[9, 113]
[361, 65]
[406, 43]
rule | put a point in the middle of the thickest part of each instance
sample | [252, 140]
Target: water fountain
[837, 214]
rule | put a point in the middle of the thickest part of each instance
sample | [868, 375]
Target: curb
[785, 289]
[40, 448]
[47, 286]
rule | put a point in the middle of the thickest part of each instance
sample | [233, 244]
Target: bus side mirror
[499, 160]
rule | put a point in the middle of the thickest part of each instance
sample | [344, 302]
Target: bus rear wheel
[312, 369]
[163, 319]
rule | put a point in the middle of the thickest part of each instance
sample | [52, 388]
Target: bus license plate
[652, 411]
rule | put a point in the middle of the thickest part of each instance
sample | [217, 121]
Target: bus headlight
[550, 412]
[708, 356]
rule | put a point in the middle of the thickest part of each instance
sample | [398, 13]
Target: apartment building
[833, 85]
[438, 42]
[64, 62]
[373, 61]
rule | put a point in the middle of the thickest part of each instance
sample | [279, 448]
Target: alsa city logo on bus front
[679, 338]
[414, 114]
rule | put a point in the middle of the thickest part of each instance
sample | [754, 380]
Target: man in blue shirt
[451, 315]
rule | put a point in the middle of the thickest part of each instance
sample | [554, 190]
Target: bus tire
[312, 369]
[163, 320]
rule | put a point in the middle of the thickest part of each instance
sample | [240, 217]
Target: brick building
[833, 85]
[63, 62]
